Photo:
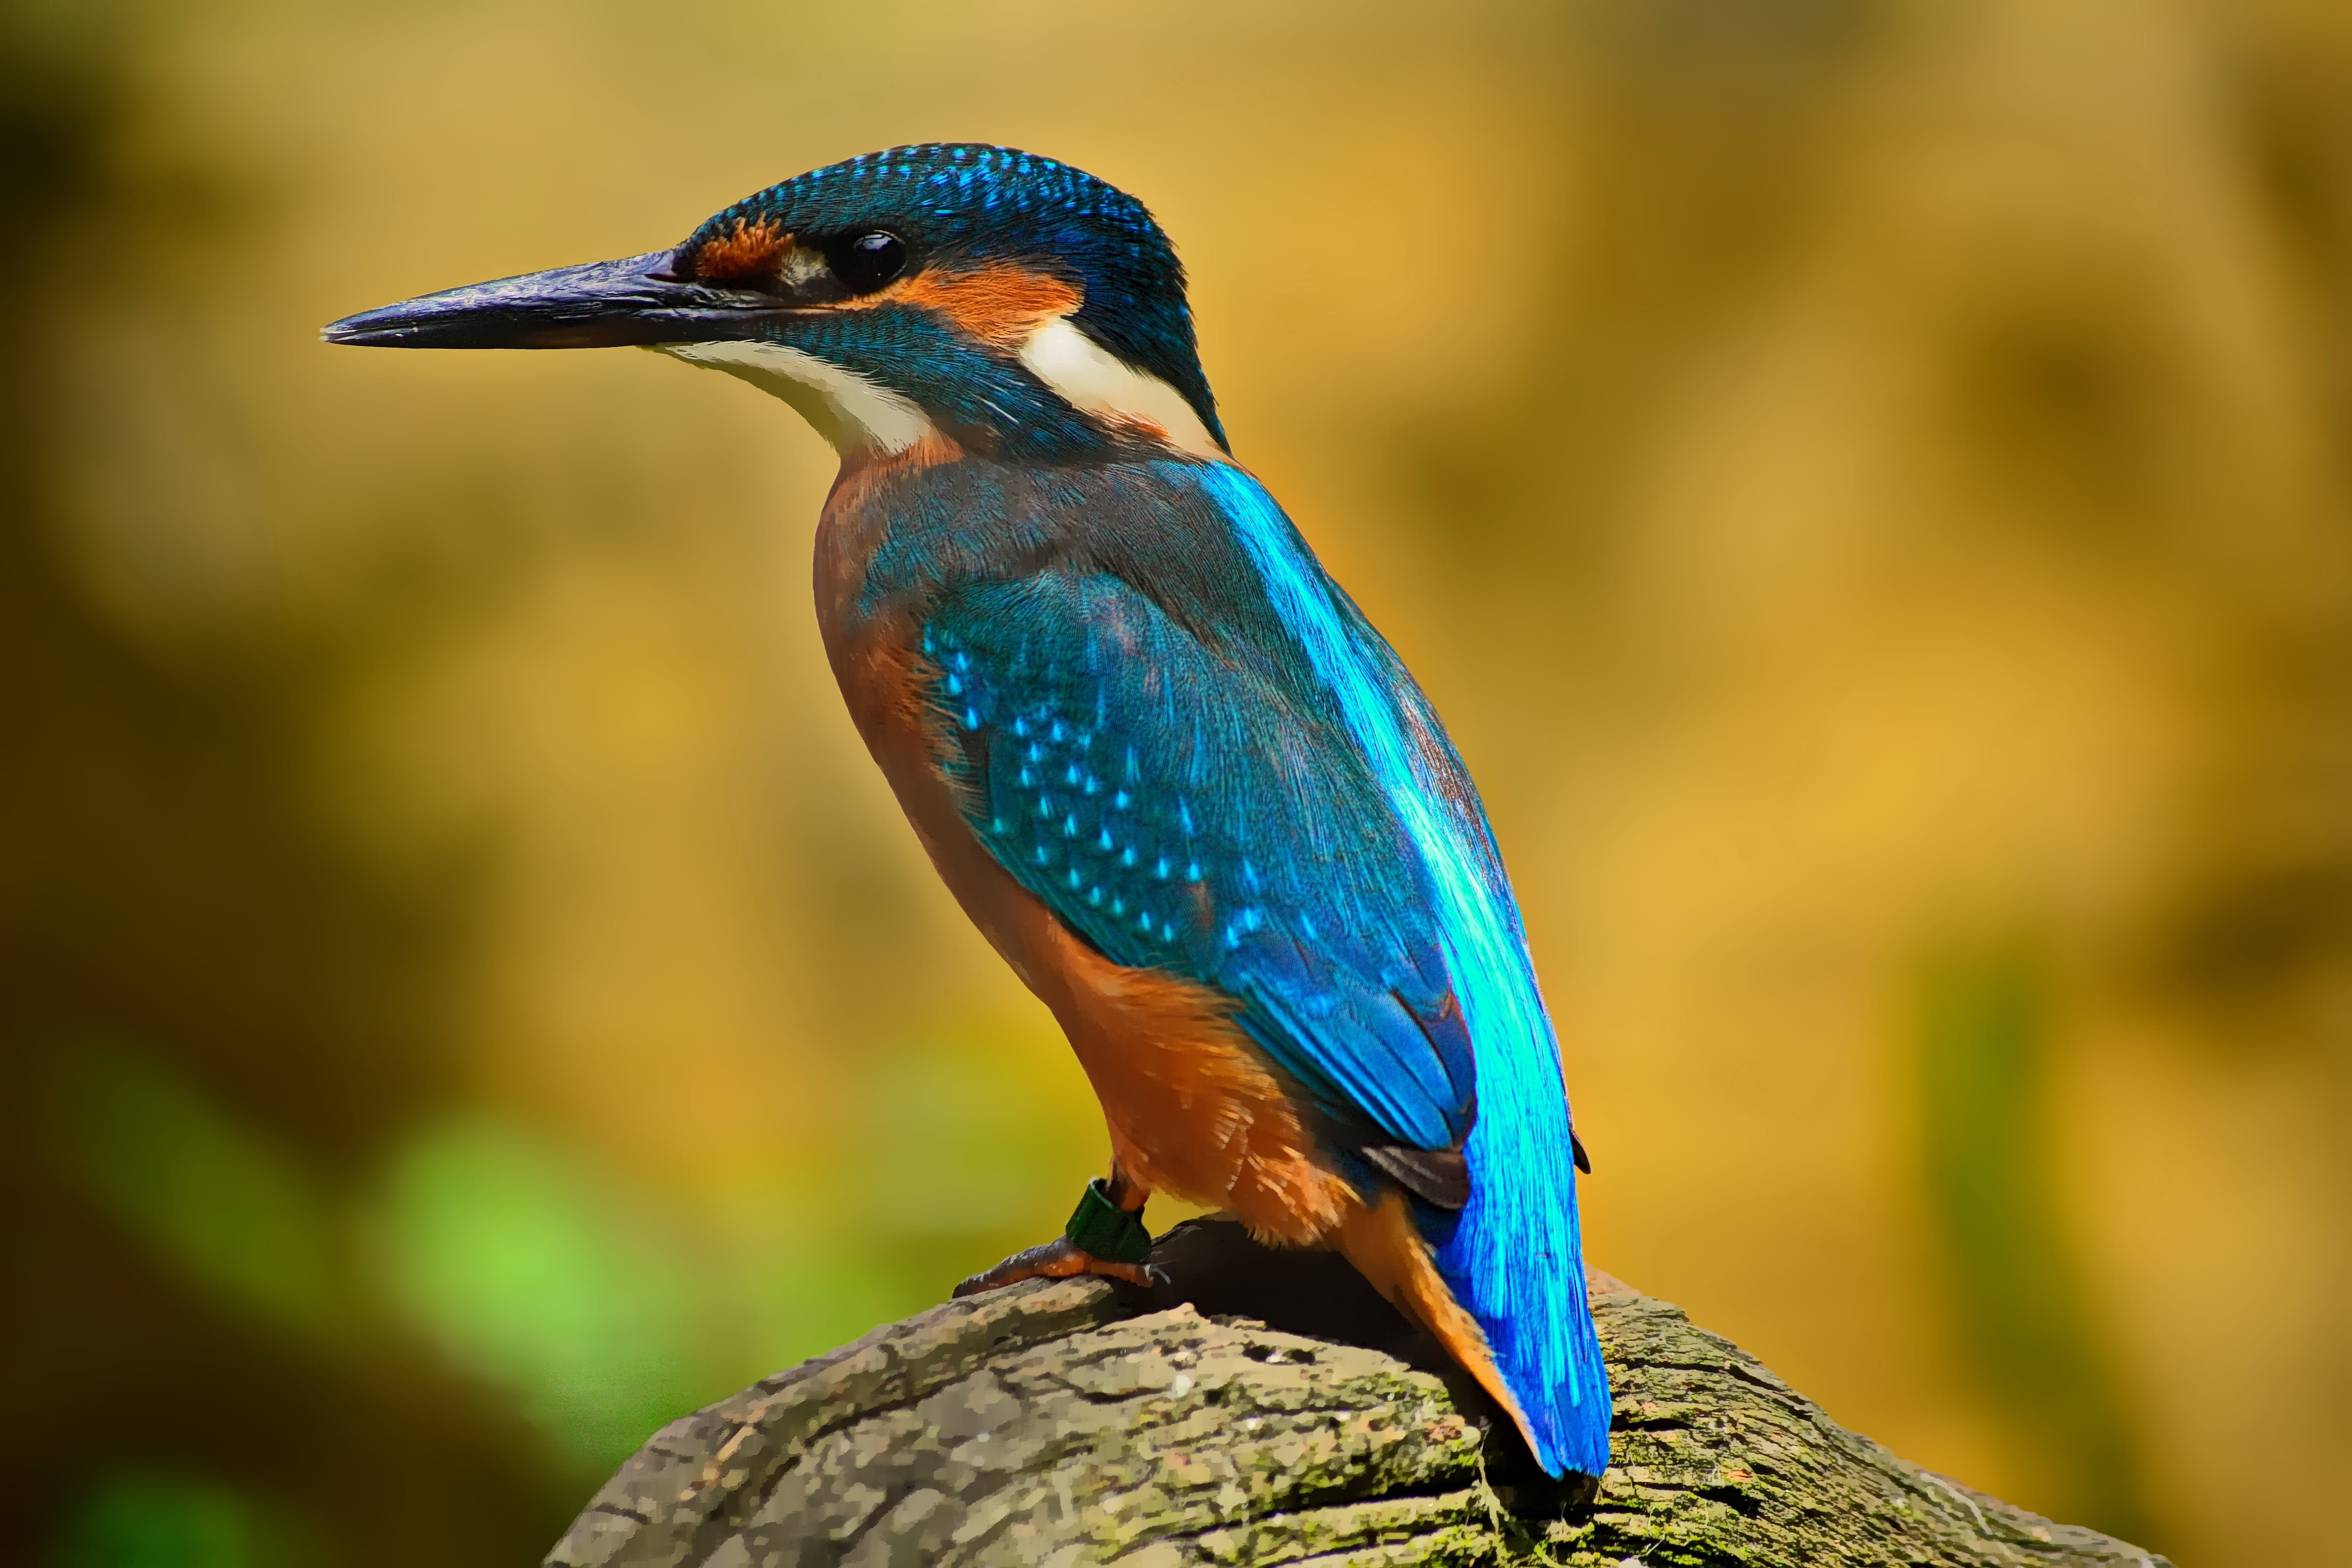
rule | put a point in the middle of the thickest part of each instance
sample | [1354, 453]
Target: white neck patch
[858, 416]
[1092, 380]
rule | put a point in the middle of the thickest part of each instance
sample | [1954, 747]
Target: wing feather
[1182, 809]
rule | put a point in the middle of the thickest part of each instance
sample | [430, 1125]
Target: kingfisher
[1159, 756]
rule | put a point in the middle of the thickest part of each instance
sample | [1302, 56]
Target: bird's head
[1006, 302]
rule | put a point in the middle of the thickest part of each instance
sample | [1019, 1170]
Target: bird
[1160, 757]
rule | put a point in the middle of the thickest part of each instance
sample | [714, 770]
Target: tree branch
[1269, 1408]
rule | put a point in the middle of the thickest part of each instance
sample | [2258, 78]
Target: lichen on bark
[1266, 1408]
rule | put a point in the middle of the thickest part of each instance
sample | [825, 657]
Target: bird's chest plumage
[871, 622]
[886, 547]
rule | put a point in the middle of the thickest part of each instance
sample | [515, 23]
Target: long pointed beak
[636, 299]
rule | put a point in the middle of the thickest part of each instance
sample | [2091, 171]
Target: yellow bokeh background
[1867, 482]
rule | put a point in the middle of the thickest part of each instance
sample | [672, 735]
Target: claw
[1056, 1259]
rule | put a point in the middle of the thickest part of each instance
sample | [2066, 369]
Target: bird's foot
[1060, 1258]
[1103, 1236]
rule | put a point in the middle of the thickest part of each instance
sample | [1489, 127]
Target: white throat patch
[1090, 379]
[859, 417]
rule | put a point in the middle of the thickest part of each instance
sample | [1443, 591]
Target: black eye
[863, 262]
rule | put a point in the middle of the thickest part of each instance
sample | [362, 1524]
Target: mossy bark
[1071, 1422]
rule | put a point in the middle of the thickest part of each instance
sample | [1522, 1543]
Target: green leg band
[1100, 1228]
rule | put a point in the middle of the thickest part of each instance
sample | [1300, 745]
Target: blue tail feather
[1512, 1258]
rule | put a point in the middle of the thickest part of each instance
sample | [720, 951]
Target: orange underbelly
[1193, 1107]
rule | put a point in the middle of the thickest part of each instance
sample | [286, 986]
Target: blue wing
[1187, 809]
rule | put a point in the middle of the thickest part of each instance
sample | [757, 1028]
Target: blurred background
[1869, 483]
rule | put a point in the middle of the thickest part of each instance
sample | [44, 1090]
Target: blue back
[1177, 733]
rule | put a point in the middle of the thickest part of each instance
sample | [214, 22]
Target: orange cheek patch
[999, 305]
[754, 252]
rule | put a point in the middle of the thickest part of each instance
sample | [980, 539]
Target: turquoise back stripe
[1512, 1256]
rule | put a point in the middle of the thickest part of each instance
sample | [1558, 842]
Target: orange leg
[1109, 1220]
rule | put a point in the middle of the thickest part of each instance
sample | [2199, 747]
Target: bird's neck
[1058, 395]
[1098, 383]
